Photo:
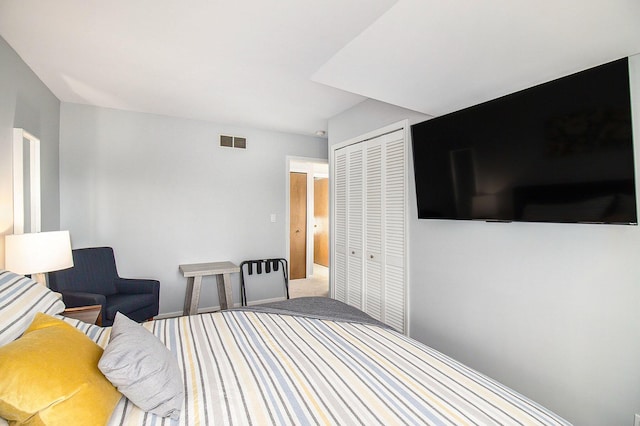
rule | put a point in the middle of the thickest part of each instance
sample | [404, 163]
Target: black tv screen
[561, 151]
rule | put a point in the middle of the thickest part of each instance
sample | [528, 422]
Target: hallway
[317, 285]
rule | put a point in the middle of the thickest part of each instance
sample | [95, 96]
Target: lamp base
[40, 278]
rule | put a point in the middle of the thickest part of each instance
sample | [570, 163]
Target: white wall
[367, 116]
[162, 192]
[551, 310]
[27, 103]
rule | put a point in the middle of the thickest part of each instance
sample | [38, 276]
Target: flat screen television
[561, 151]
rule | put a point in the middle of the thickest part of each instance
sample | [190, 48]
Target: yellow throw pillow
[50, 376]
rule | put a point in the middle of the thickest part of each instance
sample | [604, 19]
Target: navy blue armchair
[94, 280]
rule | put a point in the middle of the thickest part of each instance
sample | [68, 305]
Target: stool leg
[192, 295]
[188, 293]
[225, 296]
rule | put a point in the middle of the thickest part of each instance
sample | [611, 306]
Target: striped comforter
[248, 368]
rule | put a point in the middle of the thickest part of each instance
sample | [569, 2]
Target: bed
[313, 361]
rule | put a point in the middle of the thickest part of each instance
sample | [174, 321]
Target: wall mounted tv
[561, 151]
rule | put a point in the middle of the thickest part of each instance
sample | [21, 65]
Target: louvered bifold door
[370, 198]
[373, 229]
[395, 197]
[340, 226]
[355, 210]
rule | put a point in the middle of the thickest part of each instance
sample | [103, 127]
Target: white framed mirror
[26, 182]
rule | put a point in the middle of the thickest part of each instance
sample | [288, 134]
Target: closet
[369, 211]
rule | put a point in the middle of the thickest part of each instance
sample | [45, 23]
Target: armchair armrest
[137, 286]
[73, 299]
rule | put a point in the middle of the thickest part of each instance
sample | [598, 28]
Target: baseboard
[260, 302]
[217, 308]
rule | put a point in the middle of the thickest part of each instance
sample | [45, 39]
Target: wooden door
[321, 221]
[297, 225]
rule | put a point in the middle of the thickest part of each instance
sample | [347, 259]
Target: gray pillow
[143, 369]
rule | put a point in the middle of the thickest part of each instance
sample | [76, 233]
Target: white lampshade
[38, 253]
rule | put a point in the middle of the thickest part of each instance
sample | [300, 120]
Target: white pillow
[143, 369]
[20, 299]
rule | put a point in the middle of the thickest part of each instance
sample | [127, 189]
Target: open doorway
[308, 239]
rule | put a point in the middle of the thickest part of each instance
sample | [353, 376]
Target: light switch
[273, 218]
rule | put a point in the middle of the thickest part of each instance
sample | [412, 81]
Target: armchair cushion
[73, 299]
[127, 304]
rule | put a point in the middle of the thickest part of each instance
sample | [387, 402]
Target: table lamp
[38, 253]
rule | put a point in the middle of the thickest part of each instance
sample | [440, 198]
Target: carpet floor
[316, 285]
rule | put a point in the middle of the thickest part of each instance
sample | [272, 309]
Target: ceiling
[290, 65]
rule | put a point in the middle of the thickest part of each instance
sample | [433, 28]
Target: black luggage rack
[266, 265]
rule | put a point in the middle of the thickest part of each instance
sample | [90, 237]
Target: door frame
[310, 166]
[321, 221]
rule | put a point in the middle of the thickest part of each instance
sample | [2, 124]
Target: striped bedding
[255, 368]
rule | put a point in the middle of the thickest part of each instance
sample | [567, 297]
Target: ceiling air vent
[239, 142]
[233, 141]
